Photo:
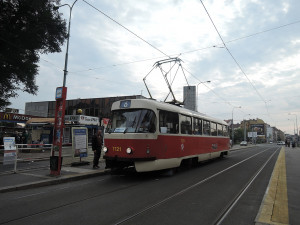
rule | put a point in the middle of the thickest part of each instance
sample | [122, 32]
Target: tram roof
[153, 104]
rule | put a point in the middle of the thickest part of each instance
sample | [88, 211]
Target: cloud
[108, 60]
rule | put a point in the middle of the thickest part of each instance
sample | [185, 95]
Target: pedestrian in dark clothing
[97, 142]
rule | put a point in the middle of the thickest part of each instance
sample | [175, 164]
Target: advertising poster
[258, 128]
[10, 150]
[80, 143]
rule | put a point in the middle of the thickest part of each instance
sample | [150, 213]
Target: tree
[238, 135]
[27, 28]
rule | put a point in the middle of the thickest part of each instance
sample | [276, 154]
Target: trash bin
[54, 163]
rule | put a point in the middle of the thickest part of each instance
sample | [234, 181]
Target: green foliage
[238, 135]
[27, 29]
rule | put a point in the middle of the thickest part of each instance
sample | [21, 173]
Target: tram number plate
[116, 149]
[125, 104]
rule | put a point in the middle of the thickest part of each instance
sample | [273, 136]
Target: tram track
[234, 201]
[147, 208]
[67, 204]
[225, 211]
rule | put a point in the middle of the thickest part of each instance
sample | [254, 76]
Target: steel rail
[65, 204]
[155, 205]
[235, 200]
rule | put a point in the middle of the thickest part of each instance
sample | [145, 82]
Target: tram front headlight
[129, 150]
[105, 149]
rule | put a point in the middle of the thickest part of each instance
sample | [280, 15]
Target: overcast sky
[257, 69]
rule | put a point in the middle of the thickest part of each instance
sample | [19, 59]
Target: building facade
[96, 107]
[189, 97]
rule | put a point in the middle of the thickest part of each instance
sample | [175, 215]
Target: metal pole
[296, 127]
[232, 125]
[244, 130]
[232, 128]
[297, 131]
[16, 160]
[61, 102]
[67, 51]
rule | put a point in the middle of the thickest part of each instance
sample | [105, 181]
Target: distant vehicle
[271, 142]
[243, 143]
[280, 142]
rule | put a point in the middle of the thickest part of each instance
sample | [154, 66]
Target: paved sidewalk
[293, 183]
[41, 177]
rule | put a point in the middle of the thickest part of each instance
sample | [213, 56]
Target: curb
[53, 181]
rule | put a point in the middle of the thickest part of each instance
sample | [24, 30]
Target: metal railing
[34, 156]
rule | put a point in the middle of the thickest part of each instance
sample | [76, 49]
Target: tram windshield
[133, 121]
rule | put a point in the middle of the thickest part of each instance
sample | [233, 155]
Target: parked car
[280, 142]
[243, 143]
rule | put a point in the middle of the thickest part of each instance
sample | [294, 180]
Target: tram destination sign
[125, 104]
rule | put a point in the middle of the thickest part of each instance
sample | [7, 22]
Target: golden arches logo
[6, 117]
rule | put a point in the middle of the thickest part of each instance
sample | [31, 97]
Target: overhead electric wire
[225, 101]
[126, 29]
[234, 57]
[153, 47]
[264, 31]
[197, 49]
[190, 51]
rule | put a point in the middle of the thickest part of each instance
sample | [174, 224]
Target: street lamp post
[60, 96]
[232, 130]
[245, 127]
[296, 126]
[208, 81]
[68, 38]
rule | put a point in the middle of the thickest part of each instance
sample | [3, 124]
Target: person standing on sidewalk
[97, 142]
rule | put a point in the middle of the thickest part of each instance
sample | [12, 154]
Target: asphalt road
[223, 191]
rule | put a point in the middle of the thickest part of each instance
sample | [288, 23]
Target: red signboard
[61, 95]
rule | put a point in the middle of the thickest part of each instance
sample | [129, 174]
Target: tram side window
[213, 129]
[186, 124]
[168, 122]
[206, 127]
[197, 126]
[225, 131]
[220, 129]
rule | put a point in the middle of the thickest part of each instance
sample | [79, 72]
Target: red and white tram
[151, 135]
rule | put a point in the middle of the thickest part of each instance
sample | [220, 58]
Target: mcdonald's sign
[6, 116]
[12, 117]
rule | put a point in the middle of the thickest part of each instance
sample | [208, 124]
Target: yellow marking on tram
[117, 149]
[274, 208]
